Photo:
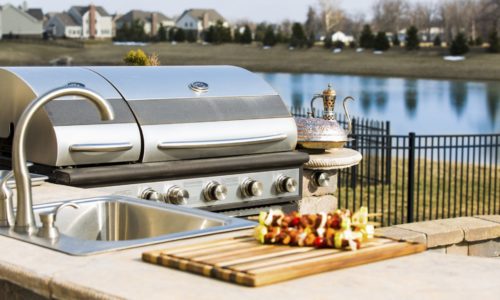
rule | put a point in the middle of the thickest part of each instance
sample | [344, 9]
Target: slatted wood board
[244, 261]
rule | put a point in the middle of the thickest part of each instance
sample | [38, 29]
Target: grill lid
[189, 112]
[65, 129]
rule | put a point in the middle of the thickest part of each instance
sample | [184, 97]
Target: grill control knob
[150, 194]
[285, 184]
[321, 179]
[177, 195]
[215, 191]
[251, 188]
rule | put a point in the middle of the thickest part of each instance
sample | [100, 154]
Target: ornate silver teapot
[325, 133]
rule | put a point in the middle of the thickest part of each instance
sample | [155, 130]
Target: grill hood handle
[105, 147]
[222, 143]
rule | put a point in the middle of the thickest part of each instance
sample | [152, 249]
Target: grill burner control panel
[215, 191]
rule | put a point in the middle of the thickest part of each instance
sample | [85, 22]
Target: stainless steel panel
[233, 182]
[67, 136]
[155, 135]
[53, 130]
[172, 82]
[208, 109]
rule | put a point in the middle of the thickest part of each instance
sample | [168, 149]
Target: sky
[233, 10]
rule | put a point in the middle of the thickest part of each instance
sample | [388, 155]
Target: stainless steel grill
[214, 137]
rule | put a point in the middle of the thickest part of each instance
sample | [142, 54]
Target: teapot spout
[349, 123]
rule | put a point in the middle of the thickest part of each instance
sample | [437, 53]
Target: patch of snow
[378, 52]
[359, 50]
[291, 48]
[337, 50]
[266, 47]
[129, 43]
[454, 58]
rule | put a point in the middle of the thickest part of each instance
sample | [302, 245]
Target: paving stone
[438, 233]
[401, 234]
[476, 229]
[491, 218]
[440, 249]
[309, 188]
[458, 249]
[489, 248]
[308, 205]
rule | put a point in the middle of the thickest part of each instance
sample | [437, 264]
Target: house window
[191, 24]
[185, 24]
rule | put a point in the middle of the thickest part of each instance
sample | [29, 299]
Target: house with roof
[83, 22]
[62, 25]
[151, 21]
[36, 13]
[199, 20]
[17, 22]
[95, 21]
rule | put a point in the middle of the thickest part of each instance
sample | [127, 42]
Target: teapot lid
[329, 91]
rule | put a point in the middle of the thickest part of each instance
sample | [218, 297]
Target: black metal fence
[423, 177]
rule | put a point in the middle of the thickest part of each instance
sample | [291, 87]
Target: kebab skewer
[338, 229]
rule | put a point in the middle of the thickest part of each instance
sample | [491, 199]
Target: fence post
[354, 174]
[411, 178]
[388, 153]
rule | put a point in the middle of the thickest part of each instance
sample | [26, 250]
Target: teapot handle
[349, 123]
[312, 103]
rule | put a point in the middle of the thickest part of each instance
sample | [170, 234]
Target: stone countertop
[122, 274]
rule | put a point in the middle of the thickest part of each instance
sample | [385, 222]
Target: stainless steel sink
[119, 222]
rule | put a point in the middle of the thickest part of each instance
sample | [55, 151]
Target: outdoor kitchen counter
[122, 274]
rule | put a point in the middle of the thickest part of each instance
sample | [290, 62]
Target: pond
[423, 106]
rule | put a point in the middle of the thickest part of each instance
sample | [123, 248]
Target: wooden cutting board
[244, 261]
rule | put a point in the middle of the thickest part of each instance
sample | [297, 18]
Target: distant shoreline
[423, 64]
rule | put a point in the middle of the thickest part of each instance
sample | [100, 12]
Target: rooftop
[198, 13]
[83, 9]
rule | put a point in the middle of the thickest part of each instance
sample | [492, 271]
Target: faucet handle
[6, 206]
[48, 229]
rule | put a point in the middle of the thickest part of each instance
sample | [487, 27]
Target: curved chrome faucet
[25, 219]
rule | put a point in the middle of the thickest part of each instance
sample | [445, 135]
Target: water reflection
[493, 101]
[374, 94]
[381, 94]
[458, 96]
[409, 104]
[365, 100]
[297, 90]
[411, 97]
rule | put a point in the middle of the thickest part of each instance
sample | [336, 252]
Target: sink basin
[118, 222]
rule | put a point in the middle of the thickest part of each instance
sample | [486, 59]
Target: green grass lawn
[442, 190]
[426, 63]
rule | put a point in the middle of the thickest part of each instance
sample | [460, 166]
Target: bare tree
[488, 17]
[331, 15]
[460, 16]
[422, 15]
[286, 28]
[390, 15]
[353, 24]
[313, 23]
